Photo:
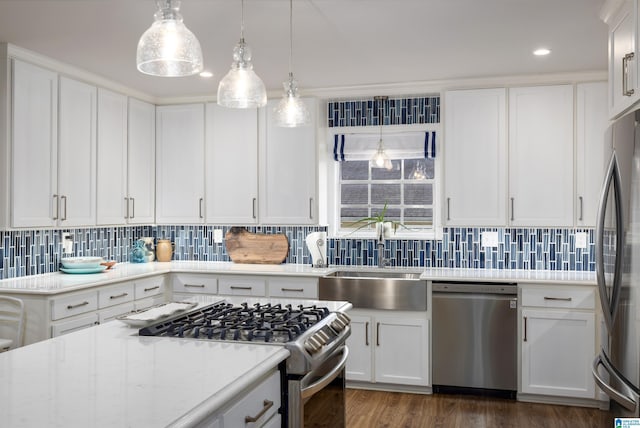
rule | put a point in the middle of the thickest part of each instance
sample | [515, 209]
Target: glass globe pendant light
[168, 48]
[241, 87]
[291, 111]
[380, 158]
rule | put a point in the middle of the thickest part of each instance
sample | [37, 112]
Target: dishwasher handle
[475, 287]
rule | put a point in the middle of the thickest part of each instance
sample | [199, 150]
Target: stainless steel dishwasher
[474, 338]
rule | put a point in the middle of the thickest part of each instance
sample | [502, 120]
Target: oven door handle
[310, 390]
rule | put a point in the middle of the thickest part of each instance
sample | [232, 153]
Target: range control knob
[312, 345]
[341, 322]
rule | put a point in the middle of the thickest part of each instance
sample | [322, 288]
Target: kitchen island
[108, 376]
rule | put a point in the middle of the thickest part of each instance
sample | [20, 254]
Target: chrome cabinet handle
[254, 207]
[126, 215]
[448, 209]
[525, 329]
[512, 210]
[64, 198]
[251, 419]
[366, 333]
[195, 285]
[85, 303]
[200, 207]
[57, 210]
[562, 299]
[133, 207]
[625, 75]
[297, 290]
[580, 199]
[118, 296]
[377, 334]
[310, 208]
[237, 287]
[152, 288]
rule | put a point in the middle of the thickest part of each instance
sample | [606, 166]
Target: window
[407, 188]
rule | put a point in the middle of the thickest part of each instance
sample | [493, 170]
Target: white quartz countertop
[58, 282]
[107, 376]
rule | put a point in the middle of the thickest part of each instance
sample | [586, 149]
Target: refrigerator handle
[609, 306]
[627, 398]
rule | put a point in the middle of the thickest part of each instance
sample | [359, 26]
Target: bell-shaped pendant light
[380, 158]
[241, 87]
[291, 111]
[168, 48]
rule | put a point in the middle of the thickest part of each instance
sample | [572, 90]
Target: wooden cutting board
[245, 247]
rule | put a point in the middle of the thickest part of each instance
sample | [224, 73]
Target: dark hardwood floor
[369, 409]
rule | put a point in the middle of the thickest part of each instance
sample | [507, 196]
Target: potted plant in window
[384, 228]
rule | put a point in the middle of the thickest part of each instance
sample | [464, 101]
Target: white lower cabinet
[558, 342]
[74, 324]
[389, 347]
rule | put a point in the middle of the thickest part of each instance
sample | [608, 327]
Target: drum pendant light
[241, 87]
[168, 48]
[291, 111]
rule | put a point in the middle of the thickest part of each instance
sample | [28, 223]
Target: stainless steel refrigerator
[617, 368]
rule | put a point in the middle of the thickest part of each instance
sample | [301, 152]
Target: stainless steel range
[314, 336]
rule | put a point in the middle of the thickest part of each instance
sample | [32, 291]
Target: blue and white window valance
[402, 145]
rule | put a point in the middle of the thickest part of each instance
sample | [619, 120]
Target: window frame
[333, 185]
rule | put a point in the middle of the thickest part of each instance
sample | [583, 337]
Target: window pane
[385, 194]
[418, 194]
[387, 174]
[419, 169]
[355, 170]
[349, 215]
[354, 194]
[418, 216]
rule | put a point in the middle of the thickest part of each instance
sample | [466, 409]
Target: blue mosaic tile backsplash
[34, 252]
[395, 111]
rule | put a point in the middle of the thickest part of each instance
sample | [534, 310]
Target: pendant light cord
[290, 38]
[242, 20]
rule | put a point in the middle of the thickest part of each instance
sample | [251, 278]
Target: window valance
[404, 145]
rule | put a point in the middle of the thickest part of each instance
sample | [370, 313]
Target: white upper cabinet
[180, 149]
[232, 165]
[475, 151]
[141, 183]
[112, 158]
[34, 161]
[77, 153]
[288, 170]
[592, 153]
[623, 58]
[541, 156]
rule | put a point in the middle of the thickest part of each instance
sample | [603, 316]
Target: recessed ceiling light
[542, 52]
[206, 74]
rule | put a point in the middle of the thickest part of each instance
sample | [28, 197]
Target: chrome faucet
[382, 262]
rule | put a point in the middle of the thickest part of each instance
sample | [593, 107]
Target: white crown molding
[609, 9]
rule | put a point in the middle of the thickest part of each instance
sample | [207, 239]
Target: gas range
[310, 332]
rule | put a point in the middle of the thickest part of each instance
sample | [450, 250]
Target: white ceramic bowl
[81, 262]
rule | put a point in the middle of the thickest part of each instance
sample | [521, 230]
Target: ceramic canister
[164, 250]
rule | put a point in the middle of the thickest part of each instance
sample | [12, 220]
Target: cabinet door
[623, 83]
[74, 324]
[359, 363]
[180, 164]
[232, 159]
[141, 162]
[34, 167]
[558, 348]
[288, 171]
[541, 156]
[401, 350]
[112, 158]
[592, 153]
[475, 151]
[77, 153]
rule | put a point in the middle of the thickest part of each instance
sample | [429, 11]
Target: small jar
[164, 250]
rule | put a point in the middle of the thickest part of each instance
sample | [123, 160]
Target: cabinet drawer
[66, 306]
[190, 283]
[115, 311]
[242, 286]
[262, 401]
[115, 295]
[75, 324]
[148, 302]
[559, 297]
[304, 288]
[149, 287]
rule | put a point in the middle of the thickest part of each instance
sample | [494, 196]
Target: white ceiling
[337, 43]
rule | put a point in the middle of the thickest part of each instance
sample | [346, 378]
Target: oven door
[318, 399]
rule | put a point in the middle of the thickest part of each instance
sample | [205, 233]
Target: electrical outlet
[217, 236]
[581, 240]
[489, 239]
[67, 243]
